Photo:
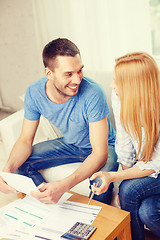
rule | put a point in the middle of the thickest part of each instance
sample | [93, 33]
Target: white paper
[19, 182]
[64, 217]
[29, 219]
[21, 218]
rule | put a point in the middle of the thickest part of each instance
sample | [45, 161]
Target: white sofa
[10, 128]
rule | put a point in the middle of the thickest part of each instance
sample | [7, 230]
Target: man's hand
[5, 188]
[50, 193]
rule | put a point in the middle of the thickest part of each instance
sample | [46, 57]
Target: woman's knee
[149, 213]
[124, 189]
[128, 193]
[145, 211]
[123, 192]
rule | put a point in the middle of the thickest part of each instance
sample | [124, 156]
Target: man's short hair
[58, 47]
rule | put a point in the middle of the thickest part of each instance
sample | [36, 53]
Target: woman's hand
[106, 178]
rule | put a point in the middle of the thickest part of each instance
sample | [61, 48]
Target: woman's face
[114, 85]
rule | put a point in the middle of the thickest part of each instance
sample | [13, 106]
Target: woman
[136, 106]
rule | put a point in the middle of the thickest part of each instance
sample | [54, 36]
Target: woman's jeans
[141, 197]
[56, 152]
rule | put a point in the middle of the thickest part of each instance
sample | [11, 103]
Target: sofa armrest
[10, 129]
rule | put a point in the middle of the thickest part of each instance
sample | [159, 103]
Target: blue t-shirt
[72, 118]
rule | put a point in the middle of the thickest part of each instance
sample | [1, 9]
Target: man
[77, 106]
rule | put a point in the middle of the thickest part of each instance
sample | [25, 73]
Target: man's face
[66, 76]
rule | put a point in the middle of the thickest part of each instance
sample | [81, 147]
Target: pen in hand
[93, 192]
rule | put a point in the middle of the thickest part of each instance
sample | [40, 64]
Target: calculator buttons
[79, 231]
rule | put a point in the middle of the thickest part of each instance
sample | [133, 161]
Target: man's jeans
[56, 152]
[141, 197]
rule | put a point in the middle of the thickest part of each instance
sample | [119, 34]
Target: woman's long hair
[138, 81]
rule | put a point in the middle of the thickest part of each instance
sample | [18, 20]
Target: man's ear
[48, 73]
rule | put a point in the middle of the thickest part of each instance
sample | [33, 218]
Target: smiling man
[77, 106]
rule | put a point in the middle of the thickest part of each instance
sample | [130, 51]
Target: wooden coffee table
[111, 222]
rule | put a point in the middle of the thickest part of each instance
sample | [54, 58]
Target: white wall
[19, 60]
[102, 29]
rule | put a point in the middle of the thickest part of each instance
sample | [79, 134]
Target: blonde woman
[136, 106]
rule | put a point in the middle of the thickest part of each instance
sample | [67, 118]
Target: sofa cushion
[60, 172]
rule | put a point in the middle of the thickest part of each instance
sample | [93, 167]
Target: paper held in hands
[19, 182]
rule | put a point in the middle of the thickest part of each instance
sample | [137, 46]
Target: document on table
[29, 219]
[64, 217]
[21, 217]
[19, 182]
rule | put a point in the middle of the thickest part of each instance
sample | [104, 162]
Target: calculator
[79, 231]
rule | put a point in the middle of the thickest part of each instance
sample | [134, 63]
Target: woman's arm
[108, 177]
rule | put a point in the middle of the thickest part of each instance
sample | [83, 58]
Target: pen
[93, 192]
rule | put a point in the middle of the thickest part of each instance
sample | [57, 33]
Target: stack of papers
[29, 219]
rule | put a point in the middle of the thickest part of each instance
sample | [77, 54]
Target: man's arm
[98, 132]
[20, 151]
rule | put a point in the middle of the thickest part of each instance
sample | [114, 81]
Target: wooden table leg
[125, 234]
